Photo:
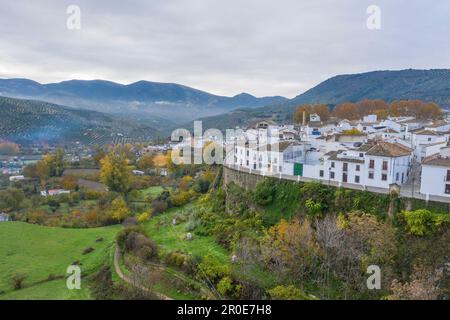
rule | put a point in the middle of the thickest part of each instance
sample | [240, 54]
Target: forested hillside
[28, 121]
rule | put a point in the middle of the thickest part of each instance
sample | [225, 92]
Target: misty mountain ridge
[170, 101]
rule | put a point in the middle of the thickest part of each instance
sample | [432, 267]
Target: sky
[265, 48]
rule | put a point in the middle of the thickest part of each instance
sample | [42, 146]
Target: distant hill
[426, 85]
[28, 121]
[152, 100]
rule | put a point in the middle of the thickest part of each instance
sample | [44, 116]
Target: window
[397, 176]
[254, 166]
[331, 175]
[344, 177]
[429, 139]
[247, 163]
[361, 155]
[372, 164]
[332, 164]
[447, 188]
[385, 165]
[448, 175]
[370, 175]
[345, 167]
[358, 167]
[384, 177]
[356, 179]
[248, 153]
[321, 173]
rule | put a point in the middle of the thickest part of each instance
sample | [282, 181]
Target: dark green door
[298, 169]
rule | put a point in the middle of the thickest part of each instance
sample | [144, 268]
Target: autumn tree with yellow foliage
[303, 112]
[115, 172]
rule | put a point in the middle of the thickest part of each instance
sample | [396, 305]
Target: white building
[16, 178]
[386, 163]
[54, 192]
[435, 177]
[138, 172]
[4, 217]
[422, 140]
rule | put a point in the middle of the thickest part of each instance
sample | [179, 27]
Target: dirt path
[117, 257]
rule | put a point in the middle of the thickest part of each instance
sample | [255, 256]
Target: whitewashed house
[344, 166]
[386, 163]
[422, 140]
[435, 175]
[439, 126]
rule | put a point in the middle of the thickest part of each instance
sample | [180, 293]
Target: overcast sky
[277, 47]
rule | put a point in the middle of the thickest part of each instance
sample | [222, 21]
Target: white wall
[433, 180]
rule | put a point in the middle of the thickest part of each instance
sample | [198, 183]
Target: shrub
[287, 293]
[88, 250]
[422, 222]
[122, 236]
[145, 216]
[159, 206]
[213, 268]
[264, 192]
[201, 185]
[17, 280]
[134, 240]
[181, 198]
[102, 285]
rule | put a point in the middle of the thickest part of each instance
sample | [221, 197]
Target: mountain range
[427, 85]
[152, 100]
[144, 109]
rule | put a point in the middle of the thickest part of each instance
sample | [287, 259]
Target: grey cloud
[263, 47]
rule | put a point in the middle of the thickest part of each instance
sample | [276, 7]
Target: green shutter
[298, 169]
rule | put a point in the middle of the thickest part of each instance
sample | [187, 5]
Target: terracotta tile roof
[427, 133]
[389, 130]
[437, 124]
[436, 161]
[366, 147]
[387, 149]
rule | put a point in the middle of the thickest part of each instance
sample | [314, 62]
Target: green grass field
[39, 252]
[172, 237]
[152, 191]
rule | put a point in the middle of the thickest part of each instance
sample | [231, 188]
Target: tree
[55, 163]
[290, 248]
[69, 182]
[119, 209]
[115, 172]
[302, 113]
[11, 199]
[287, 293]
[98, 156]
[8, 148]
[422, 222]
[185, 183]
[145, 162]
